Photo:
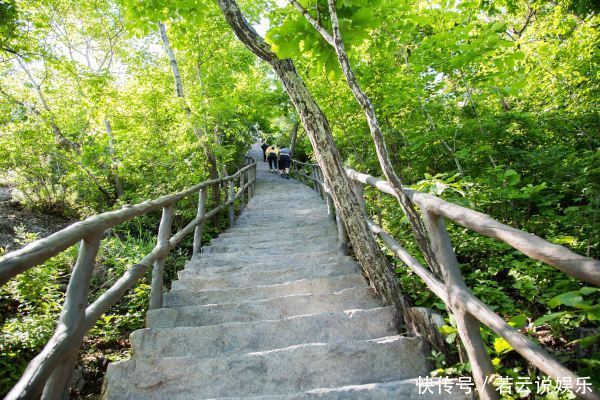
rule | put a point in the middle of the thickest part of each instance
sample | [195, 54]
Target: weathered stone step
[290, 370]
[266, 234]
[180, 298]
[290, 208]
[286, 215]
[270, 309]
[281, 225]
[274, 241]
[190, 279]
[271, 251]
[240, 338]
[407, 389]
[271, 265]
[234, 259]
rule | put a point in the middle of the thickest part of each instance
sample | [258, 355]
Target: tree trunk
[113, 159]
[317, 128]
[382, 154]
[211, 160]
[294, 137]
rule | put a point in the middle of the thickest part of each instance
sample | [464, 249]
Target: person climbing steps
[285, 161]
[264, 148]
[272, 153]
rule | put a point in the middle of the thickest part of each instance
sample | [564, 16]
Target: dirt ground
[15, 218]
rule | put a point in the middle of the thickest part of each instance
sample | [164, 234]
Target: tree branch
[245, 32]
[326, 35]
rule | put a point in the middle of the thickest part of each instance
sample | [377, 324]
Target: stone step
[254, 209]
[290, 370]
[181, 298]
[240, 338]
[192, 279]
[281, 246]
[256, 257]
[264, 234]
[282, 226]
[271, 265]
[276, 241]
[311, 214]
[407, 389]
[269, 309]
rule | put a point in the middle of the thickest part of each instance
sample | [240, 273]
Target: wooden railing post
[72, 318]
[254, 179]
[200, 214]
[467, 325]
[164, 234]
[342, 234]
[329, 201]
[231, 205]
[315, 185]
[248, 181]
[319, 178]
[242, 191]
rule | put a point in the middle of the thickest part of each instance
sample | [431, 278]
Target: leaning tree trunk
[294, 138]
[317, 127]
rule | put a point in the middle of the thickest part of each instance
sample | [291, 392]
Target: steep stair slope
[271, 310]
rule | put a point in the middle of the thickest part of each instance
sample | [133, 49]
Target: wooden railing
[49, 372]
[468, 310]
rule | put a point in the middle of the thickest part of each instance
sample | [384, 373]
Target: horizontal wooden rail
[41, 250]
[50, 370]
[580, 267]
[469, 311]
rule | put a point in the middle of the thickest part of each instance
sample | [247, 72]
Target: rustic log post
[232, 203]
[467, 325]
[322, 183]
[249, 183]
[164, 234]
[242, 192]
[329, 200]
[341, 233]
[200, 214]
[315, 185]
[318, 181]
[72, 317]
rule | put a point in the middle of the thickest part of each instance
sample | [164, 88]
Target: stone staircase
[272, 310]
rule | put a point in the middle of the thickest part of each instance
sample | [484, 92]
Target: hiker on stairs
[285, 161]
[264, 148]
[272, 153]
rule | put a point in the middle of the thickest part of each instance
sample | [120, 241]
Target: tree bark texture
[317, 127]
[294, 138]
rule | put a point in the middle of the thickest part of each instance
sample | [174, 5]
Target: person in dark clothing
[264, 148]
[285, 161]
[272, 153]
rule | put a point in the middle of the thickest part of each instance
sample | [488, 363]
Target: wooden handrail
[578, 266]
[468, 310]
[41, 250]
[50, 370]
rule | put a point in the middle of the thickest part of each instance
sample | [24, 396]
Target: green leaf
[586, 290]
[548, 318]
[568, 299]
[594, 315]
[518, 321]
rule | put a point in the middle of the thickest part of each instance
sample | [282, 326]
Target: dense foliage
[493, 105]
